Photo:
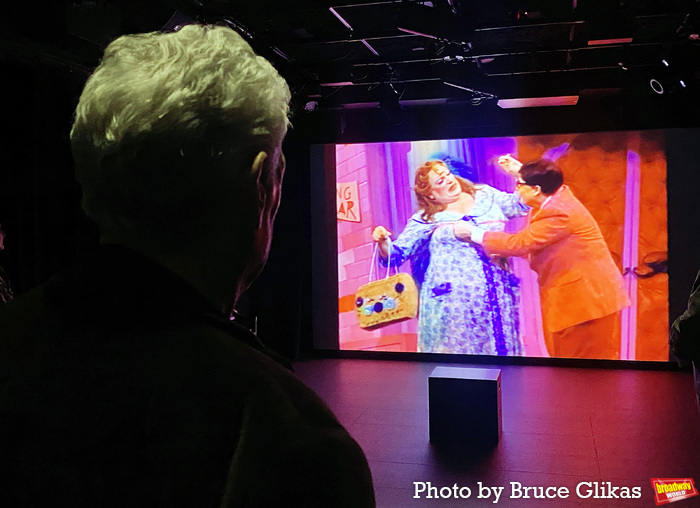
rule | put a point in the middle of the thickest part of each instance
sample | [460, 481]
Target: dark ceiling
[396, 55]
[483, 49]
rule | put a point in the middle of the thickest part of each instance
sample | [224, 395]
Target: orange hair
[422, 189]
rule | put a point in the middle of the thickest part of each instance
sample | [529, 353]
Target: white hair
[164, 111]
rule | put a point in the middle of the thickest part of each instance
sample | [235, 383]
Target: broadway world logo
[668, 490]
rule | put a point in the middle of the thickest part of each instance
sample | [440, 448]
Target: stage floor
[562, 427]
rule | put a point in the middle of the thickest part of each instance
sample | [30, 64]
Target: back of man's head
[542, 172]
[169, 125]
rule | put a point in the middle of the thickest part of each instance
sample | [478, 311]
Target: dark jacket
[685, 331]
[122, 386]
[685, 334]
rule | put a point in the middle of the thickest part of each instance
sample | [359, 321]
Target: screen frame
[682, 150]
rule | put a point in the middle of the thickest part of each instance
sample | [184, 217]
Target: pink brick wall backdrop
[355, 248]
[354, 238]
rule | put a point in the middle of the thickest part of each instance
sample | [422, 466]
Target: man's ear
[257, 170]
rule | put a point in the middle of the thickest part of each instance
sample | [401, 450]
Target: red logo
[668, 490]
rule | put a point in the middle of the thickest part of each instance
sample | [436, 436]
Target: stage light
[668, 84]
[311, 105]
[337, 76]
[605, 42]
[676, 71]
[538, 102]
[656, 86]
[608, 23]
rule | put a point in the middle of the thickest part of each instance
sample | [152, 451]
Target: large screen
[591, 284]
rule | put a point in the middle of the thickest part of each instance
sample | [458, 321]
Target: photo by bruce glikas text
[516, 490]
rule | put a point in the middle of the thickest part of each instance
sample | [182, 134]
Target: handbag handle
[375, 259]
[388, 267]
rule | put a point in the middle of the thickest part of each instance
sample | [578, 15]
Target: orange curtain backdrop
[652, 299]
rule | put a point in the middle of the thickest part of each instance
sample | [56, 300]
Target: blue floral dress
[468, 302]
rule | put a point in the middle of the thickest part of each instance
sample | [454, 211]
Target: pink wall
[355, 249]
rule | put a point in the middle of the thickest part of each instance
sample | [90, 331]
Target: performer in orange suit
[581, 288]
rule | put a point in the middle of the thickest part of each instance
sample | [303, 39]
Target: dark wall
[281, 296]
[39, 198]
[683, 162]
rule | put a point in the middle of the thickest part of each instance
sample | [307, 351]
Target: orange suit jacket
[578, 278]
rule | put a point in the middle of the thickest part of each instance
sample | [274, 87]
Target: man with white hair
[122, 382]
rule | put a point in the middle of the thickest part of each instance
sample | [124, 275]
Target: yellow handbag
[385, 301]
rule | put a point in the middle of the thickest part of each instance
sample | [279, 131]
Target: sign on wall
[348, 199]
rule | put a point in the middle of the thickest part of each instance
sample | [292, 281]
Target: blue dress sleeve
[411, 243]
[509, 203]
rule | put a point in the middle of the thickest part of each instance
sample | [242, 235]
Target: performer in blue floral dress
[468, 302]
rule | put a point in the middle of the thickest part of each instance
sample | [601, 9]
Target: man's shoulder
[294, 449]
[291, 445]
[199, 380]
[561, 203]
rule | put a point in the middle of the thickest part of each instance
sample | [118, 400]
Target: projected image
[546, 246]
